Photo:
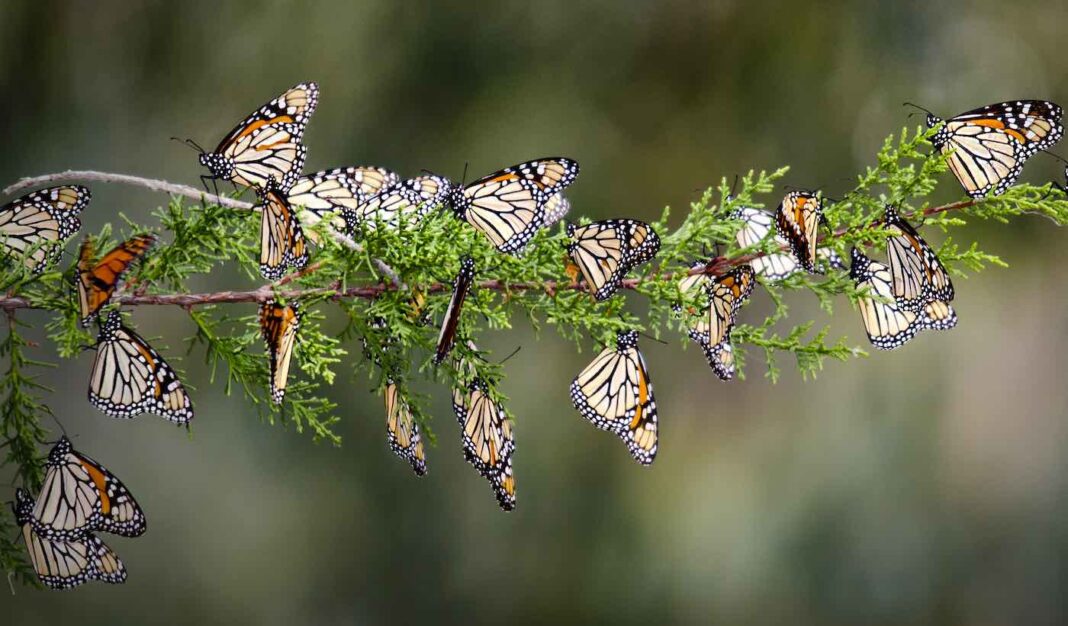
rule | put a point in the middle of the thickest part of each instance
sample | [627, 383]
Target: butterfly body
[451, 322]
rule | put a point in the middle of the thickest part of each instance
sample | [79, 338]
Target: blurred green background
[925, 486]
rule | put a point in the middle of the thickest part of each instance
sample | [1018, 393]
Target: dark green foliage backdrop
[924, 486]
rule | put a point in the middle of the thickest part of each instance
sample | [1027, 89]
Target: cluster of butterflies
[79, 498]
[986, 151]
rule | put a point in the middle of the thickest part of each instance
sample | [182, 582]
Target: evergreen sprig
[390, 286]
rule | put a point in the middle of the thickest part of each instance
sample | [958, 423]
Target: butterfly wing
[129, 377]
[399, 203]
[266, 145]
[605, 251]
[988, 146]
[97, 281]
[80, 495]
[918, 276]
[451, 322]
[487, 438]
[509, 206]
[36, 223]
[797, 221]
[403, 431]
[614, 393]
[556, 208]
[887, 324]
[282, 243]
[279, 324]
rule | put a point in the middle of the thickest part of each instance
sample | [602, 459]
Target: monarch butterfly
[756, 225]
[330, 192]
[451, 322]
[509, 206]
[711, 330]
[797, 221]
[615, 393]
[41, 220]
[97, 281]
[487, 439]
[399, 203]
[80, 495]
[988, 146]
[266, 145]
[130, 378]
[279, 324]
[556, 208]
[403, 431]
[282, 244]
[918, 276]
[63, 564]
[888, 324]
[605, 251]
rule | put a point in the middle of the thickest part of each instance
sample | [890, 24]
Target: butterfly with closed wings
[97, 280]
[488, 442]
[80, 495]
[712, 327]
[918, 277]
[64, 564]
[403, 431]
[130, 378]
[797, 220]
[614, 393]
[279, 324]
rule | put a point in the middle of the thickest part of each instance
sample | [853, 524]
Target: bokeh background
[925, 486]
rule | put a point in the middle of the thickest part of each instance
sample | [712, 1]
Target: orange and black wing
[279, 324]
[97, 280]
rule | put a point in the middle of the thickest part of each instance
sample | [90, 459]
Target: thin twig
[125, 179]
[176, 189]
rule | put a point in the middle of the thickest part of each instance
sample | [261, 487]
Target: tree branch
[715, 267]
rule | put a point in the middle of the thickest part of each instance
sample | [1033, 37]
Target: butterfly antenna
[1056, 156]
[651, 338]
[463, 177]
[62, 429]
[734, 185]
[916, 106]
[514, 352]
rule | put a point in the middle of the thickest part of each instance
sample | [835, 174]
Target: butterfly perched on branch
[987, 147]
[266, 145]
[509, 206]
